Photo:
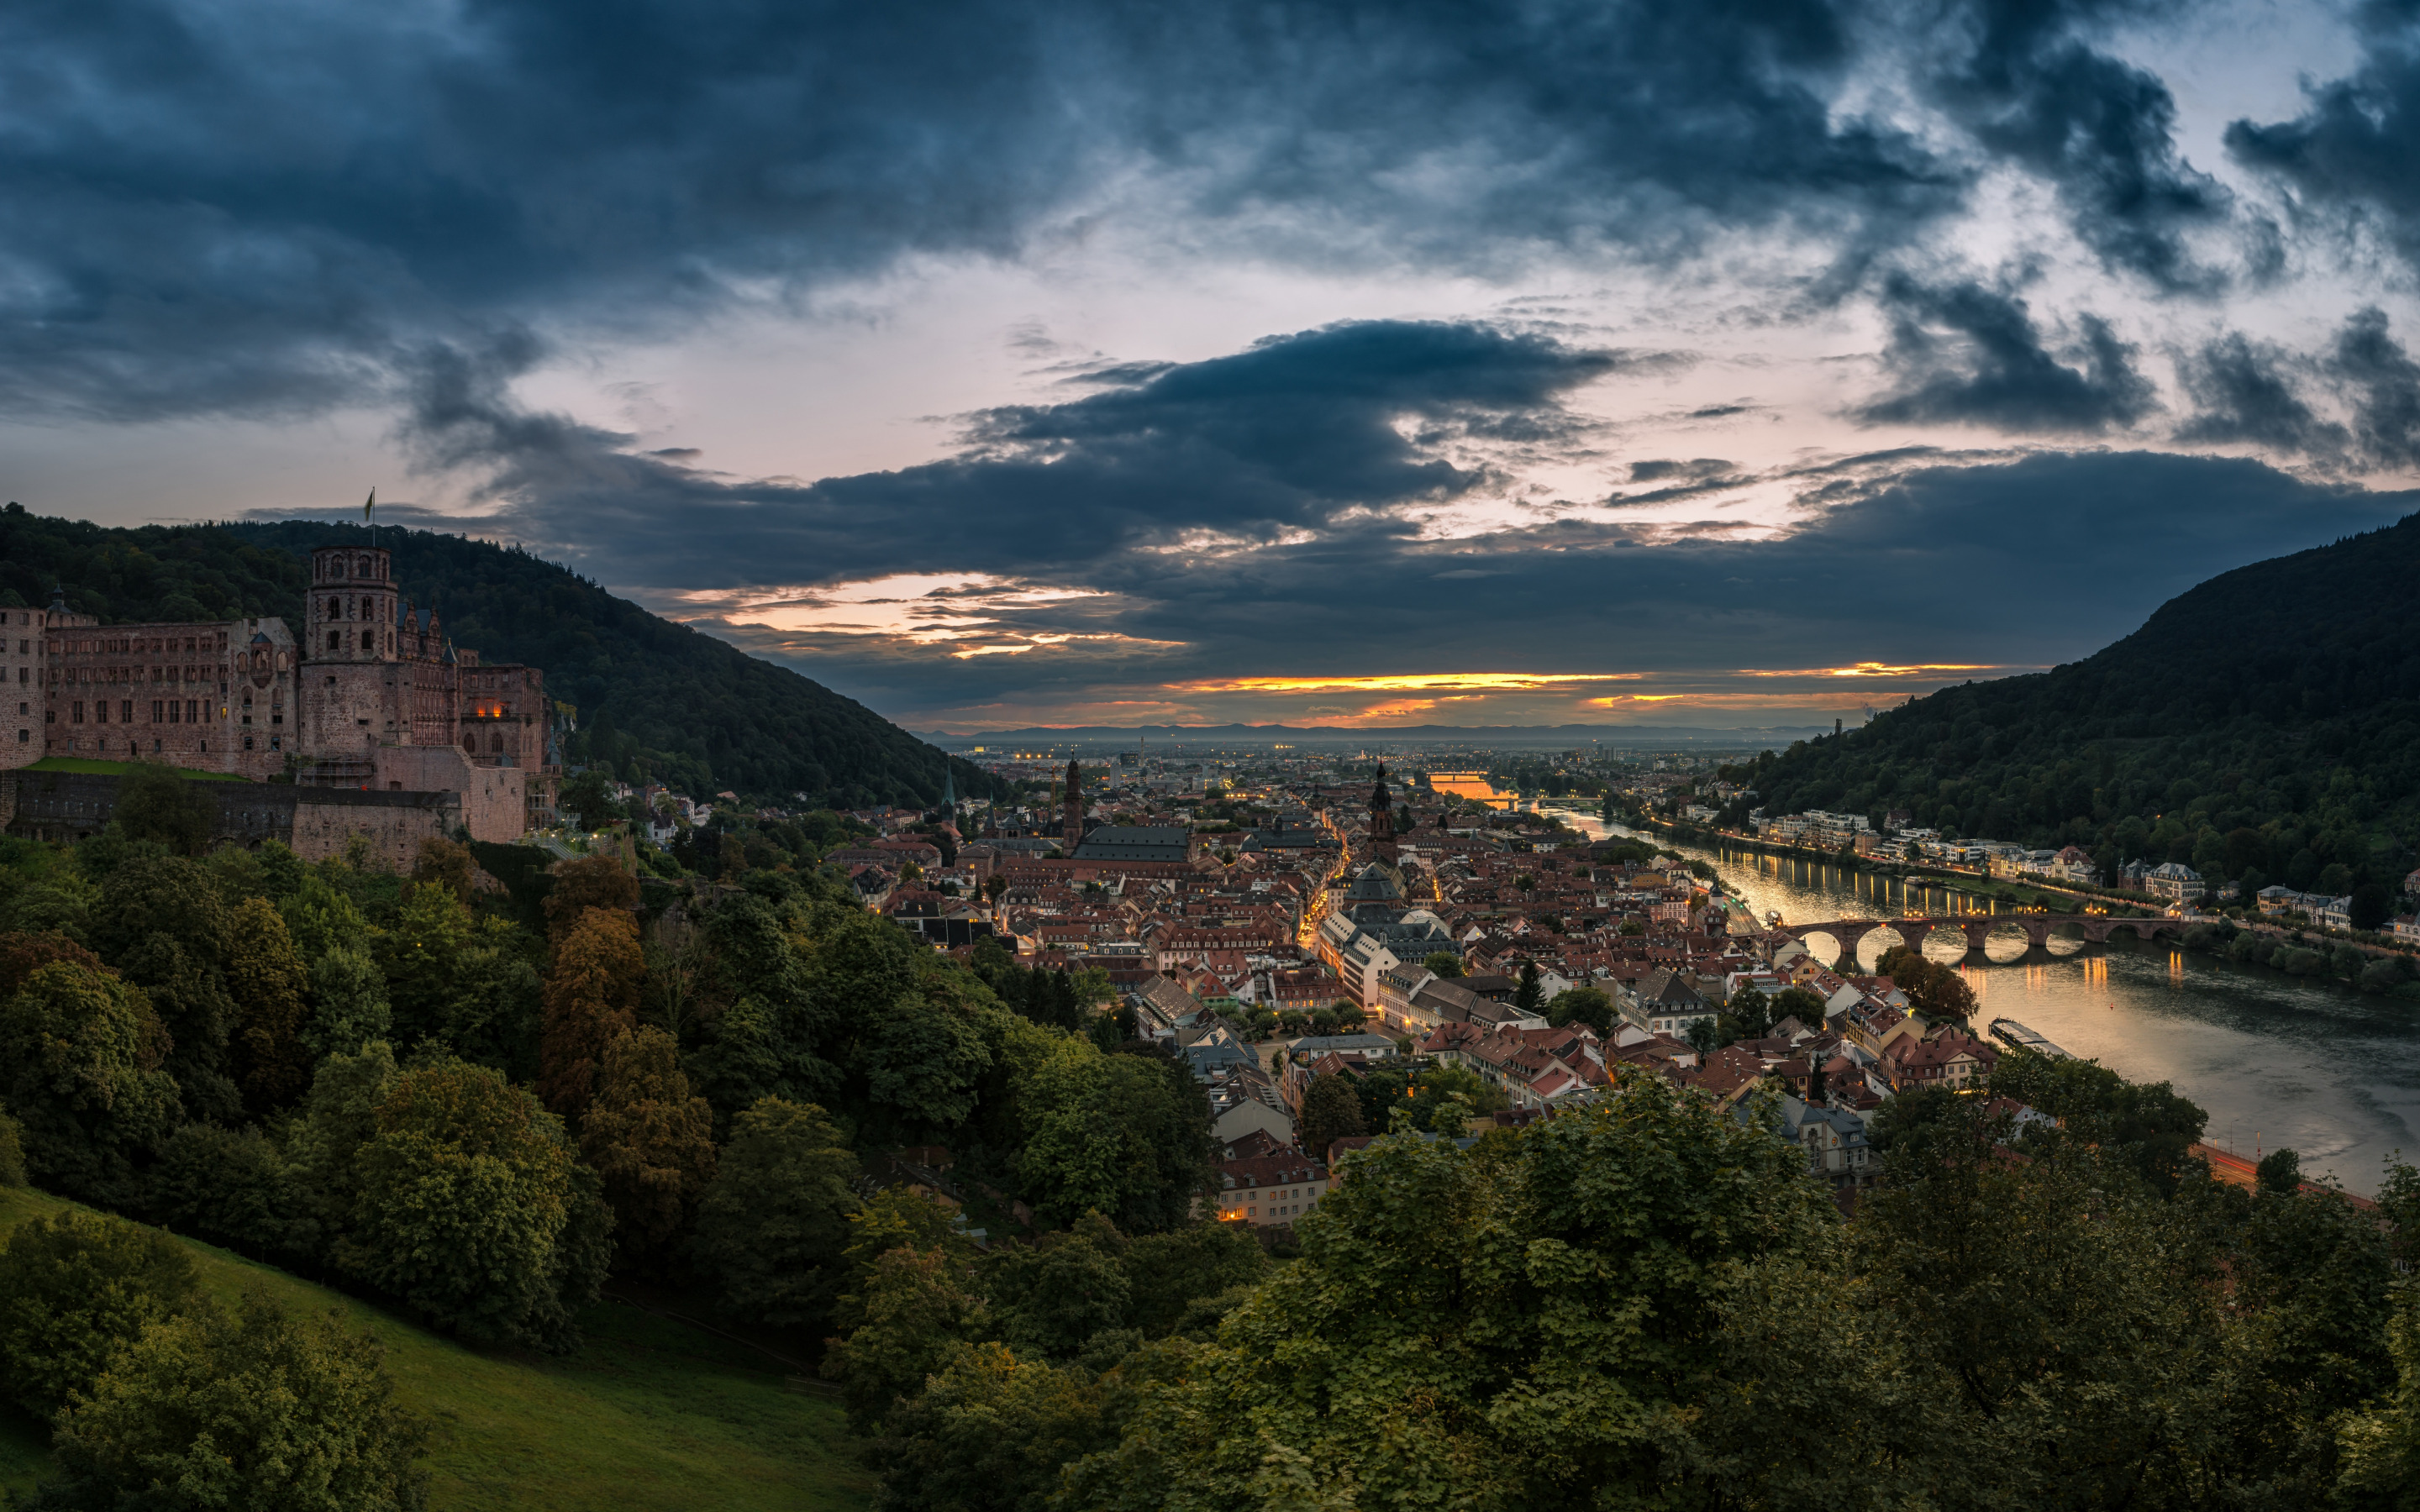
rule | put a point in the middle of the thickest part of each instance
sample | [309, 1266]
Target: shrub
[76, 1286]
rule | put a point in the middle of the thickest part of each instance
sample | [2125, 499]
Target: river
[2277, 1061]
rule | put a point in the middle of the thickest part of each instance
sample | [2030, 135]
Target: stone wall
[318, 823]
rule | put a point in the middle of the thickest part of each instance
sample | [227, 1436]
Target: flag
[370, 505]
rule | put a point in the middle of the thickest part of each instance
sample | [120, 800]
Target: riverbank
[2367, 965]
[2275, 1060]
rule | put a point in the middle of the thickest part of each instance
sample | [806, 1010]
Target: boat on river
[2017, 1037]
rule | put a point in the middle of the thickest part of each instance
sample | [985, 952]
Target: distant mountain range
[2265, 722]
[653, 696]
[1656, 737]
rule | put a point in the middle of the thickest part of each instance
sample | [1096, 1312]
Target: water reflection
[2277, 1061]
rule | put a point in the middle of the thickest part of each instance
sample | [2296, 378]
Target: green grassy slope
[648, 1415]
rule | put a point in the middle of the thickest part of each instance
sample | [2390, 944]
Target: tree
[1496, 1304]
[252, 1412]
[2280, 1172]
[592, 995]
[161, 923]
[231, 1186]
[1750, 1012]
[1529, 997]
[349, 1004]
[12, 1150]
[1583, 1004]
[588, 799]
[1445, 1099]
[472, 1206]
[156, 805]
[579, 886]
[269, 983]
[74, 1287]
[320, 918]
[1125, 1135]
[1800, 1003]
[1444, 963]
[79, 1052]
[22, 954]
[911, 1310]
[335, 1121]
[648, 1140]
[1937, 991]
[992, 1429]
[447, 864]
[773, 1222]
[1331, 1110]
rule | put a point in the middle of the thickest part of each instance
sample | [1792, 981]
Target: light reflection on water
[2275, 1060]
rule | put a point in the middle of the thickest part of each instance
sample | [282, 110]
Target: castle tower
[351, 694]
[1073, 827]
[1381, 817]
[353, 605]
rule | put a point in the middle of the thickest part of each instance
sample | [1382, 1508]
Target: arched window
[369, 640]
[334, 610]
[496, 742]
[470, 742]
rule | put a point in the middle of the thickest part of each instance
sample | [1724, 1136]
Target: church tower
[1072, 827]
[1381, 817]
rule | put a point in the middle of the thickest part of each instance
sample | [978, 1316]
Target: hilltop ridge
[654, 697]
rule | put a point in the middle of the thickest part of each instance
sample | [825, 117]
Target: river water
[2277, 1061]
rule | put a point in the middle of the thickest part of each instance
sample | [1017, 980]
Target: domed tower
[1382, 816]
[1073, 826]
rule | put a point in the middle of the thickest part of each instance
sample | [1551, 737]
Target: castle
[373, 699]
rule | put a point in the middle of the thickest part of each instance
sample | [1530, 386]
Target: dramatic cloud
[1359, 361]
[1964, 354]
[2347, 158]
[2102, 131]
[2246, 393]
[1201, 457]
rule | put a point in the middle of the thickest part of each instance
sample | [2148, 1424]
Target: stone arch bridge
[1977, 928]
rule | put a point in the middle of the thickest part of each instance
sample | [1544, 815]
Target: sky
[1735, 363]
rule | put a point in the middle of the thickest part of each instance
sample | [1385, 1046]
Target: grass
[94, 766]
[647, 1415]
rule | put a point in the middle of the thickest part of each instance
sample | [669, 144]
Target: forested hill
[654, 697]
[2265, 721]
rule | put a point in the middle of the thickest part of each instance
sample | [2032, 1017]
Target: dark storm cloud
[2100, 129]
[1284, 436]
[263, 208]
[2247, 392]
[1964, 354]
[2382, 384]
[2347, 156]
[1993, 561]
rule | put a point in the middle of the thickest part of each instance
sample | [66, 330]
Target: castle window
[157, 717]
[125, 710]
[369, 640]
[334, 637]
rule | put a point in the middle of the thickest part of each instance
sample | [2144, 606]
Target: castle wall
[370, 696]
[22, 686]
[207, 696]
[318, 823]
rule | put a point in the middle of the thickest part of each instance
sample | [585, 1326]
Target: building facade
[372, 696]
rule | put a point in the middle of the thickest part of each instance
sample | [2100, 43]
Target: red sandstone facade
[373, 696]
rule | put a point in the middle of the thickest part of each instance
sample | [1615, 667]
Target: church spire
[1072, 825]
